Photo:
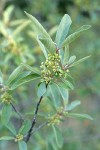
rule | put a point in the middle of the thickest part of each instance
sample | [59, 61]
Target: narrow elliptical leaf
[41, 89]
[75, 35]
[62, 30]
[6, 113]
[22, 145]
[72, 105]
[82, 116]
[6, 138]
[58, 136]
[14, 74]
[79, 61]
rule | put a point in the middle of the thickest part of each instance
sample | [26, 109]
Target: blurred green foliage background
[17, 44]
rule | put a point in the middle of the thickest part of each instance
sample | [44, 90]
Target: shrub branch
[34, 119]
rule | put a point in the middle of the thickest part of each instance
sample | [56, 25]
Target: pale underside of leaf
[6, 138]
[41, 89]
[82, 116]
[72, 105]
[38, 28]
[79, 61]
[62, 30]
[58, 136]
[22, 145]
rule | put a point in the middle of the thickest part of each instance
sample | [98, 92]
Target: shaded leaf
[41, 89]
[6, 113]
[22, 145]
[73, 105]
[25, 127]
[11, 128]
[54, 95]
[64, 94]
[58, 136]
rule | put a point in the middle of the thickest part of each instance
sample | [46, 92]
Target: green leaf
[63, 30]
[73, 105]
[58, 136]
[21, 27]
[17, 22]
[20, 76]
[65, 84]
[6, 138]
[1, 77]
[82, 116]
[41, 89]
[22, 145]
[7, 14]
[6, 113]
[75, 35]
[42, 48]
[50, 103]
[10, 127]
[71, 60]
[24, 80]
[54, 95]
[52, 145]
[79, 61]
[64, 94]
[25, 127]
[38, 28]
[32, 69]
[66, 55]
[49, 45]
[14, 74]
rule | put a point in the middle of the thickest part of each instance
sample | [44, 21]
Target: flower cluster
[56, 118]
[6, 98]
[19, 137]
[51, 68]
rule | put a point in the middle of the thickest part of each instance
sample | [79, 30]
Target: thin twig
[34, 119]
[41, 126]
[17, 112]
